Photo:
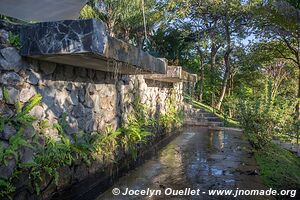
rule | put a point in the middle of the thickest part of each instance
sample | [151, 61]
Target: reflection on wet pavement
[198, 159]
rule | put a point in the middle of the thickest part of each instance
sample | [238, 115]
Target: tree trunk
[298, 96]
[230, 85]
[227, 64]
[225, 79]
[213, 56]
[201, 69]
[126, 35]
[201, 81]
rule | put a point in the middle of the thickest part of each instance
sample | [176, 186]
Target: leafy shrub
[105, 144]
[20, 121]
[257, 124]
[263, 121]
[172, 117]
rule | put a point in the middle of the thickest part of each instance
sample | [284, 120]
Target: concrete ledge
[174, 74]
[86, 43]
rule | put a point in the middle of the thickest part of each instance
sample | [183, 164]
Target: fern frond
[5, 94]
[2, 123]
[34, 101]
[18, 107]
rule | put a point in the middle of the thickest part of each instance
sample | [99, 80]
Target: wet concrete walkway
[198, 158]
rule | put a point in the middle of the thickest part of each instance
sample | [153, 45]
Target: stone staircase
[199, 117]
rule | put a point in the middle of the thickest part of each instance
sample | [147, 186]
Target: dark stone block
[86, 43]
[15, 28]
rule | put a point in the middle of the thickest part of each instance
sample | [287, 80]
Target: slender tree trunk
[298, 96]
[110, 24]
[230, 85]
[225, 79]
[110, 29]
[296, 53]
[213, 56]
[126, 35]
[201, 81]
[227, 65]
[201, 69]
[298, 104]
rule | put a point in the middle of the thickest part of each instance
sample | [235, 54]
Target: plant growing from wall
[137, 129]
[134, 133]
[172, 116]
[19, 122]
[54, 153]
[6, 188]
[105, 144]
[49, 157]
[5, 94]
[14, 40]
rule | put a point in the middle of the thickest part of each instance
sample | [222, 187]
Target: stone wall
[91, 100]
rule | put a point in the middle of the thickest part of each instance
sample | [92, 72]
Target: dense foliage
[52, 153]
[246, 55]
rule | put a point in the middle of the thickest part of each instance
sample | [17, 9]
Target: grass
[279, 168]
[229, 122]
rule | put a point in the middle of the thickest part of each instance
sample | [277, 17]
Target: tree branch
[286, 57]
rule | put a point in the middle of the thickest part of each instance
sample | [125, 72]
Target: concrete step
[196, 123]
[207, 115]
[204, 123]
[200, 117]
[216, 124]
[213, 119]
[203, 114]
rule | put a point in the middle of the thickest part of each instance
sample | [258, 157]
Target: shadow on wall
[92, 100]
[89, 98]
[157, 103]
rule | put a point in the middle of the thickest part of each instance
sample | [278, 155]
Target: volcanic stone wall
[90, 100]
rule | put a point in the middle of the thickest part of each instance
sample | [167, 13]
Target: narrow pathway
[199, 158]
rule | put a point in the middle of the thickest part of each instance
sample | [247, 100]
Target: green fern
[2, 123]
[33, 101]
[15, 142]
[6, 189]
[105, 144]
[2, 153]
[22, 115]
[5, 94]
[18, 107]
[14, 40]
